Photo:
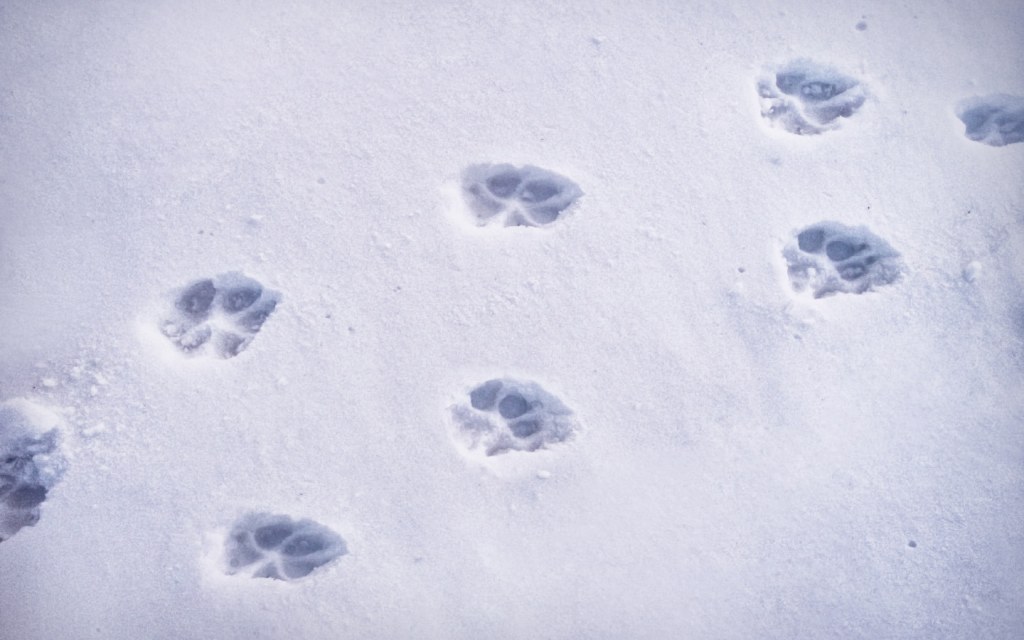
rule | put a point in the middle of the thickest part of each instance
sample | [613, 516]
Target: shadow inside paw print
[828, 258]
[504, 415]
[528, 196]
[804, 97]
[264, 545]
[219, 316]
[30, 463]
[995, 120]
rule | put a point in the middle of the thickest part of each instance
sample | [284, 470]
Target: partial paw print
[264, 545]
[219, 316]
[995, 120]
[505, 415]
[528, 196]
[829, 257]
[806, 98]
[30, 463]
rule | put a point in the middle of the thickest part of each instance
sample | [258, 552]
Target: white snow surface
[750, 463]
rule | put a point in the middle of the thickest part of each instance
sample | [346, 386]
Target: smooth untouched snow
[745, 460]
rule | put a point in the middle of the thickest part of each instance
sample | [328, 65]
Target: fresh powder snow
[467, 320]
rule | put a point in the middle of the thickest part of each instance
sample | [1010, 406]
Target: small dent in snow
[972, 271]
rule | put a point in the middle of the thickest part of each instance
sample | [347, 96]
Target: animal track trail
[509, 196]
[503, 415]
[828, 258]
[996, 120]
[220, 316]
[808, 98]
[264, 545]
[31, 463]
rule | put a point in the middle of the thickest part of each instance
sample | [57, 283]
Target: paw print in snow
[503, 195]
[30, 463]
[995, 120]
[829, 257]
[510, 415]
[219, 316]
[804, 97]
[264, 545]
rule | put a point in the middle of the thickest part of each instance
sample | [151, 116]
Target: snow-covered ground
[240, 265]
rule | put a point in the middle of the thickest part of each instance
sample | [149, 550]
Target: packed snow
[511, 320]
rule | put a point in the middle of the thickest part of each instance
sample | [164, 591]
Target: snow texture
[805, 97]
[994, 120]
[306, 309]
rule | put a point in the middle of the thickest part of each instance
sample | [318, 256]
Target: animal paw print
[804, 97]
[511, 415]
[219, 316]
[264, 545]
[828, 258]
[995, 120]
[30, 463]
[503, 195]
